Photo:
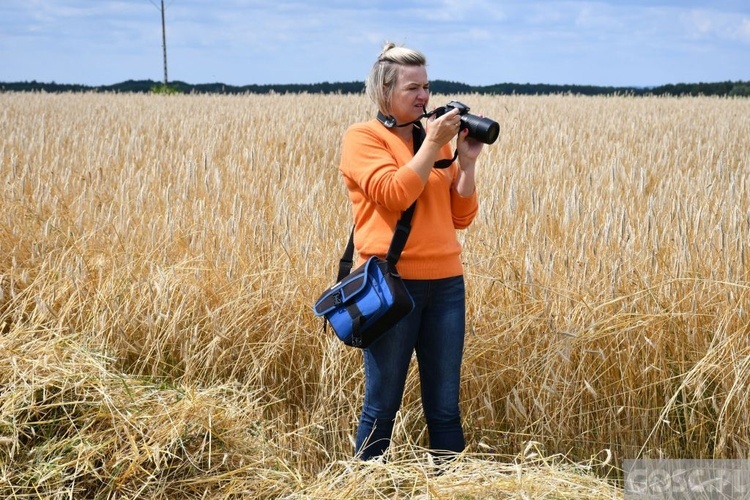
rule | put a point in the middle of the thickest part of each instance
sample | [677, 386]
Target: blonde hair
[383, 75]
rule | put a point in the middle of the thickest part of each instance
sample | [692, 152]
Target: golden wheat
[159, 256]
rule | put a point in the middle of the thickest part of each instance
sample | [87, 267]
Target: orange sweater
[380, 190]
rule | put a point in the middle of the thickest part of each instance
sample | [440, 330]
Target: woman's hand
[441, 130]
[468, 149]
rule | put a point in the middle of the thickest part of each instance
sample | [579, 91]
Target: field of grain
[159, 257]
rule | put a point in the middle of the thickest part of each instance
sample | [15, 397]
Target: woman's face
[410, 94]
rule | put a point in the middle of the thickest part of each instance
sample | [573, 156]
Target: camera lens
[482, 129]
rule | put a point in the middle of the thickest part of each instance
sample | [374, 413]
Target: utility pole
[164, 41]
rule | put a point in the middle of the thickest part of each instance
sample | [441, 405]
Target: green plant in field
[165, 89]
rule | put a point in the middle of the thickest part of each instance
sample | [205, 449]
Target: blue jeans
[435, 329]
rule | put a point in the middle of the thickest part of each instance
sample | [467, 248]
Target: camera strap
[390, 121]
[418, 135]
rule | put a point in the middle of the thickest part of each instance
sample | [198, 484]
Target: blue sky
[478, 42]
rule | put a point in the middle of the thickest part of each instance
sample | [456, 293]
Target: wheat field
[159, 257]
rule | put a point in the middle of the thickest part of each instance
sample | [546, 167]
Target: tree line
[724, 89]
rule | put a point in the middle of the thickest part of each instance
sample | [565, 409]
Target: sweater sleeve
[370, 163]
[463, 209]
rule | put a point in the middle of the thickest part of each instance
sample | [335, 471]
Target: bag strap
[347, 260]
[398, 242]
[403, 226]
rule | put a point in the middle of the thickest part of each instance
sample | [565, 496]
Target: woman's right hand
[444, 128]
[438, 132]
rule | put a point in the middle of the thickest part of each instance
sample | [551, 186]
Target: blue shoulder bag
[367, 302]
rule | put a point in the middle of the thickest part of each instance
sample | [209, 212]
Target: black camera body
[482, 129]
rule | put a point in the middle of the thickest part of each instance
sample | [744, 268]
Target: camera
[482, 129]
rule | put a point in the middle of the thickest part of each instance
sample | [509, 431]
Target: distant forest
[725, 89]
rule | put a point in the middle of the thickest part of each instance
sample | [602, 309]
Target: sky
[477, 42]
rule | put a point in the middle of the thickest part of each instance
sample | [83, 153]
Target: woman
[384, 177]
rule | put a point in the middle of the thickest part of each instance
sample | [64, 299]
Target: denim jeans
[435, 330]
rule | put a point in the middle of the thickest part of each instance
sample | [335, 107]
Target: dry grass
[159, 256]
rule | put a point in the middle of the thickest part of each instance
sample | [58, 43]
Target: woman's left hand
[468, 149]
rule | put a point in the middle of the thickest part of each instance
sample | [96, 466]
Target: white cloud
[704, 24]
[744, 30]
